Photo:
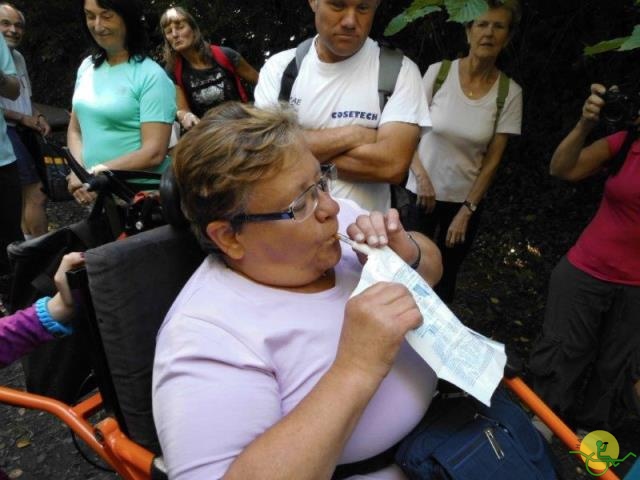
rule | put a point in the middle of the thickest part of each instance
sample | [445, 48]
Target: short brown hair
[219, 161]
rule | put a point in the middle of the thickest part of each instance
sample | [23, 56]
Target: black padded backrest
[170, 200]
[133, 283]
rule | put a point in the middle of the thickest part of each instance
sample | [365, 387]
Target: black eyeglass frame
[328, 173]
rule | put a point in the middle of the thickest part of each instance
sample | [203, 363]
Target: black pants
[10, 211]
[589, 348]
[435, 226]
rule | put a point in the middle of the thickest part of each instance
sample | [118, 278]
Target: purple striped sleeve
[19, 334]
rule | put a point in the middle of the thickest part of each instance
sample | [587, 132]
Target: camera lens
[617, 108]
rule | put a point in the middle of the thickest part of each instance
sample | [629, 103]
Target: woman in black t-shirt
[205, 75]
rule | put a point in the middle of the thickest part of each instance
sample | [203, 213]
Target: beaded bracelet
[55, 328]
[415, 264]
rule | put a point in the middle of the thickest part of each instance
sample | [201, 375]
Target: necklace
[484, 79]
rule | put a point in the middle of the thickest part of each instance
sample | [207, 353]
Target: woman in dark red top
[592, 317]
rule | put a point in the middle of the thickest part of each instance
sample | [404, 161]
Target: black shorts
[26, 163]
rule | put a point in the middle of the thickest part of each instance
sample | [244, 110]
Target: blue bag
[462, 439]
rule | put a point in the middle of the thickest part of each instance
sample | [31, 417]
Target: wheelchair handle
[97, 183]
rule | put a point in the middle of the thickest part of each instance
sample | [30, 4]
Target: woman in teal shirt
[123, 103]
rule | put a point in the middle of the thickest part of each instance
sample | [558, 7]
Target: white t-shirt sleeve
[511, 116]
[408, 103]
[268, 87]
[217, 388]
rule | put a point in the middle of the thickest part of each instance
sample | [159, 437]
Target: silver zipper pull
[493, 441]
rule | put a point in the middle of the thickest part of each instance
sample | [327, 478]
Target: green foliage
[606, 46]
[418, 9]
[633, 41]
[460, 11]
[463, 11]
[621, 44]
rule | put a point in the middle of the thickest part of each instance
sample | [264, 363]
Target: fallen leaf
[23, 442]
[494, 300]
[15, 473]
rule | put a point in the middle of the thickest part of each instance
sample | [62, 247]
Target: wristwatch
[471, 206]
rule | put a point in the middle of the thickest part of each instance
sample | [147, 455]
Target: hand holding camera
[617, 109]
[593, 105]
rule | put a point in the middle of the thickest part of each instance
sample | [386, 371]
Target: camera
[620, 109]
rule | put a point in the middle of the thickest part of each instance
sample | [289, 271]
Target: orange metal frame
[128, 459]
[133, 462]
[557, 426]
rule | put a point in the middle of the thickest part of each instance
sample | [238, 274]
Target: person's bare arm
[247, 72]
[307, 443]
[328, 143]
[152, 152]
[457, 230]
[155, 140]
[36, 122]
[571, 160]
[9, 86]
[386, 160]
[424, 188]
[184, 115]
[490, 162]
[12, 116]
[61, 305]
[74, 143]
[74, 138]
[378, 229]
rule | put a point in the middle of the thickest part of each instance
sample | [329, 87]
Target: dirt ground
[501, 293]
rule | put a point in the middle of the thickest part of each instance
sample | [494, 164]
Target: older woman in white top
[457, 159]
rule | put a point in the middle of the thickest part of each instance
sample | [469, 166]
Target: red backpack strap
[221, 59]
[177, 70]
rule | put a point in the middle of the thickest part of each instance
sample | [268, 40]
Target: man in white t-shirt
[336, 96]
[22, 121]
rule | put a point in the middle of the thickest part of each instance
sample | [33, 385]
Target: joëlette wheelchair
[122, 296]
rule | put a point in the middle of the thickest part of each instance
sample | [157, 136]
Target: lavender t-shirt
[233, 357]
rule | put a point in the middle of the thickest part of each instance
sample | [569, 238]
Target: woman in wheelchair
[47, 319]
[128, 125]
[264, 366]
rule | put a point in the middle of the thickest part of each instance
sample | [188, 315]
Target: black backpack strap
[390, 65]
[291, 72]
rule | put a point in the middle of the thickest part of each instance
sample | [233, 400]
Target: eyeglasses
[302, 206]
